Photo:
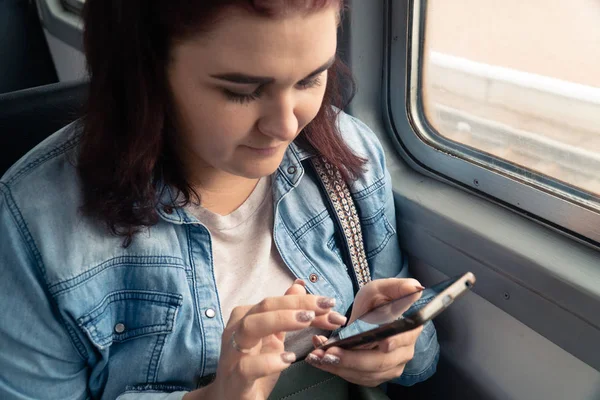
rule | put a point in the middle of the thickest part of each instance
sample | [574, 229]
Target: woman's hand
[252, 349]
[386, 359]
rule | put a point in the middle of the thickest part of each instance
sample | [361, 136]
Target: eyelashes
[245, 98]
[311, 83]
[242, 98]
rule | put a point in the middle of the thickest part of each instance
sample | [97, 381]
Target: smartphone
[392, 318]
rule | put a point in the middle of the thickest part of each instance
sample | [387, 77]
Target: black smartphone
[391, 318]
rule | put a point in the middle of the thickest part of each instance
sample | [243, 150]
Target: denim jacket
[84, 317]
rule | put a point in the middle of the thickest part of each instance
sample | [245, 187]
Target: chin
[257, 173]
[257, 170]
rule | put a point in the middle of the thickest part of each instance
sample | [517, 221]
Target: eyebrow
[236, 77]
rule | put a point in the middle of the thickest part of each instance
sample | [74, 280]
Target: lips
[263, 148]
[268, 148]
[264, 151]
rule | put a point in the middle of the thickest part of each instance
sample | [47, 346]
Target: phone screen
[393, 317]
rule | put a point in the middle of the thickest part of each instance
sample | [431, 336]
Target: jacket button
[292, 170]
[313, 278]
[210, 313]
[168, 209]
[120, 328]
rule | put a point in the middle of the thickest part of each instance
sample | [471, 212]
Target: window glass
[517, 80]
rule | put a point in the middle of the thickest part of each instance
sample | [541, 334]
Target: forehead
[257, 45]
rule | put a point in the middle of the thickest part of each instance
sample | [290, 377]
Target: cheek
[213, 126]
[309, 109]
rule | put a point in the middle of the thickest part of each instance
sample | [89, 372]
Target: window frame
[61, 23]
[74, 6]
[552, 281]
[561, 207]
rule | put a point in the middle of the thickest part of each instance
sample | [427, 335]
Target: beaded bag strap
[347, 217]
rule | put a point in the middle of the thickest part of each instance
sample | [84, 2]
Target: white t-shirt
[247, 264]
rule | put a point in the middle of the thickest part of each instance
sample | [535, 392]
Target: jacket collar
[288, 175]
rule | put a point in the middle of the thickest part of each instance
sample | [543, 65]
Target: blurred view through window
[519, 80]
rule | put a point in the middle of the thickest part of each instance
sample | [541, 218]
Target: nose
[278, 119]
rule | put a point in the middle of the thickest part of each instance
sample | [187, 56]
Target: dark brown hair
[125, 155]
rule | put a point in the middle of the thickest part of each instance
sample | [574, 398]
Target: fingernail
[288, 357]
[300, 282]
[330, 359]
[326, 302]
[420, 287]
[312, 359]
[305, 316]
[336, 318]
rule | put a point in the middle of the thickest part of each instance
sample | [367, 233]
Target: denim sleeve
[38, 359]
[427, 349]
[390, 263]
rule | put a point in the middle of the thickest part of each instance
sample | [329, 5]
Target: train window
[518, 81]
[509, 87]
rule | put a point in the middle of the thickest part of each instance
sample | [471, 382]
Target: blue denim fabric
[83, 317]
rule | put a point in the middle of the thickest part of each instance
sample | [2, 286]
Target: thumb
[395, 288]
[382, 291]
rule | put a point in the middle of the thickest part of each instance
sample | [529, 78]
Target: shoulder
[373, 196]
[364, 143]
[40, 199]
[40, 206]
[46, 161]
[44, 184]
[361, 139]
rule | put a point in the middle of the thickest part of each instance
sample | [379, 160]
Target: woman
[178, 230]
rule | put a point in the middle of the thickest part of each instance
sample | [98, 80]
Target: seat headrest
[29, 116]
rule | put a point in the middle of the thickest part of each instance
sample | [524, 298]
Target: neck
[221, 192]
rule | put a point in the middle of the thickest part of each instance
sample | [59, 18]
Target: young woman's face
[246, 89]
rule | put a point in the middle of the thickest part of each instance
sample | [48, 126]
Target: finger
[253, 327]
[237, 314]
[298, 288]
[319, 304]
[403, 339]
[254, 367]
[318, 341]
[299, 281]
[329, 321]
[280, 336]
[395, 288]
[363, 360]
[272, 344]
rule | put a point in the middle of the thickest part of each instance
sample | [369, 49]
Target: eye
[242, 98]
[310, 83]
[245, 98]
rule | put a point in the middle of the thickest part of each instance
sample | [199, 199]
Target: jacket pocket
[130, 314]
[332, 245]
[377, 232]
